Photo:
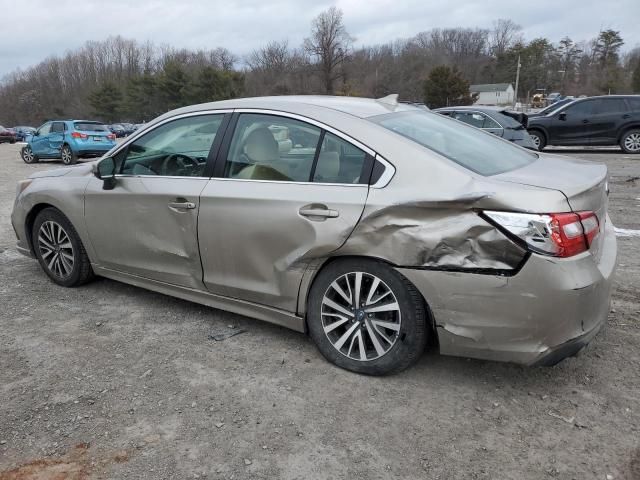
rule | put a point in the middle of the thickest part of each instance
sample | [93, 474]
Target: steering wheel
[180, 160]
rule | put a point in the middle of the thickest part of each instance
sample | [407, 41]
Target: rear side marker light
[83, 136]
[556, 234]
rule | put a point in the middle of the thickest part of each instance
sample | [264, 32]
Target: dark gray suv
[606, 120]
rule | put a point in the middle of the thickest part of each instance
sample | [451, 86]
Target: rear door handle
[182, 205]
[626, 115]
[585, 121]
[318, 211]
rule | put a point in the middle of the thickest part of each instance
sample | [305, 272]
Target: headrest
[260, 146]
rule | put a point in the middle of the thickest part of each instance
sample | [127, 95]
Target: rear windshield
[90, 127]
[507, 121]
[479, 151]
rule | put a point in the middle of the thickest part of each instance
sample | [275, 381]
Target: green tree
[635, 79]
[106, 102]
[606, 50]
[444, 87]
[141, 100]
[174, 86]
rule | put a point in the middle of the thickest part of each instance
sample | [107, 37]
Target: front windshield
[479, 151]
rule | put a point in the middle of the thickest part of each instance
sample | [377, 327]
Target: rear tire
[27, 155]
[68, 156]
[630, 141]
[59, 249]
[371, 336]
[539, 139]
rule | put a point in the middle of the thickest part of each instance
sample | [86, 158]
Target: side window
[611, 105]
[580, 108]
[490, 122]
[268, 147]
[45, 129]
[57, 127]
[178, 148]
[474, 119]
[634, 103]
[338, 161]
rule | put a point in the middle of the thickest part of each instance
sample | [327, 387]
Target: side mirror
[105, 170]
[562, 116]
[36, 133]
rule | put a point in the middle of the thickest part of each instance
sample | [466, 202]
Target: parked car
[23, 132]
[118, 130]
[552, 107]
[7, 135]
[129, 128]
[606, 120]
[398, 227]
[492, 121]
[68, 140]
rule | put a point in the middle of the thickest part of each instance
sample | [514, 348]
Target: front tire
[59, 249]
[539, 139]
[366, 317]
[27, 155]
[68, 156]
[630, 141]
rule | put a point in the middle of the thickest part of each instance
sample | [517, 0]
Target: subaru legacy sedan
[378, 228]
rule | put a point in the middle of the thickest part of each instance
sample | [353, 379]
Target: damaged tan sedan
[376, 227]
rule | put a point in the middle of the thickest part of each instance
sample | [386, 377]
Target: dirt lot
[111, 381]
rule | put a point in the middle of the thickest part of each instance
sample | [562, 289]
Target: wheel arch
[31, 218]
[625, 129]
[312, 272]
[541, 129]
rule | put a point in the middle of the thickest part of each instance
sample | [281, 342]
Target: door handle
[182, 205]
[318, 211]
[626, 115]
[585, 121]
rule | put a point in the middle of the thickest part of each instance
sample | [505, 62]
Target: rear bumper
[547, 311]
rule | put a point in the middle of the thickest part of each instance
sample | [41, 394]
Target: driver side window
[44, 129]
[179, 148]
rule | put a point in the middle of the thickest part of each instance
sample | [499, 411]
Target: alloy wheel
[361, 316]
[27, 155]
[66, 155]
[536, 141]
[56, 249]
[632, 142]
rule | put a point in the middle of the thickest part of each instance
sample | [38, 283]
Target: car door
[570, 126]
[285, 192]
[40, 141]
[147, 224]
[56, 137]
[608, 115]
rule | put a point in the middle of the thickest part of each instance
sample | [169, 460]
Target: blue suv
[68, 140]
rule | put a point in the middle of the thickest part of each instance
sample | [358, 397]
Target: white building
[493, 93]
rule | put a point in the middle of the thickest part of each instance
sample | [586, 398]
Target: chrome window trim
[383, 181]
[387, 175]
[295, 116]
[136, 136]
[288, 182]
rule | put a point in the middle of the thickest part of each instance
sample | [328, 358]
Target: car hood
[75, 171]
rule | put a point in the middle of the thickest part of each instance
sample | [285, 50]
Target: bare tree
[505, 33]
[330, 44]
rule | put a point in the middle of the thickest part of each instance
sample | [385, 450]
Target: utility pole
[515, 92]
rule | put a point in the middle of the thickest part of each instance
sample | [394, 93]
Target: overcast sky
[32, 30]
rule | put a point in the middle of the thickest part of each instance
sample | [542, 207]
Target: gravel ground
[111, 381]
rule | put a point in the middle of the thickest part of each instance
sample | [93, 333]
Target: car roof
[356, 106]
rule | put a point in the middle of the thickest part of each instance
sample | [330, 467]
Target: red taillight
[557, 234]
[111, 136]
[567, 233]
[79, 135]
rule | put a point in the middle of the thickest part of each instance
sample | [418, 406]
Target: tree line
[121, 79]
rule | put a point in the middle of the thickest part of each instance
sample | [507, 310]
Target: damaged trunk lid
[583, 183]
